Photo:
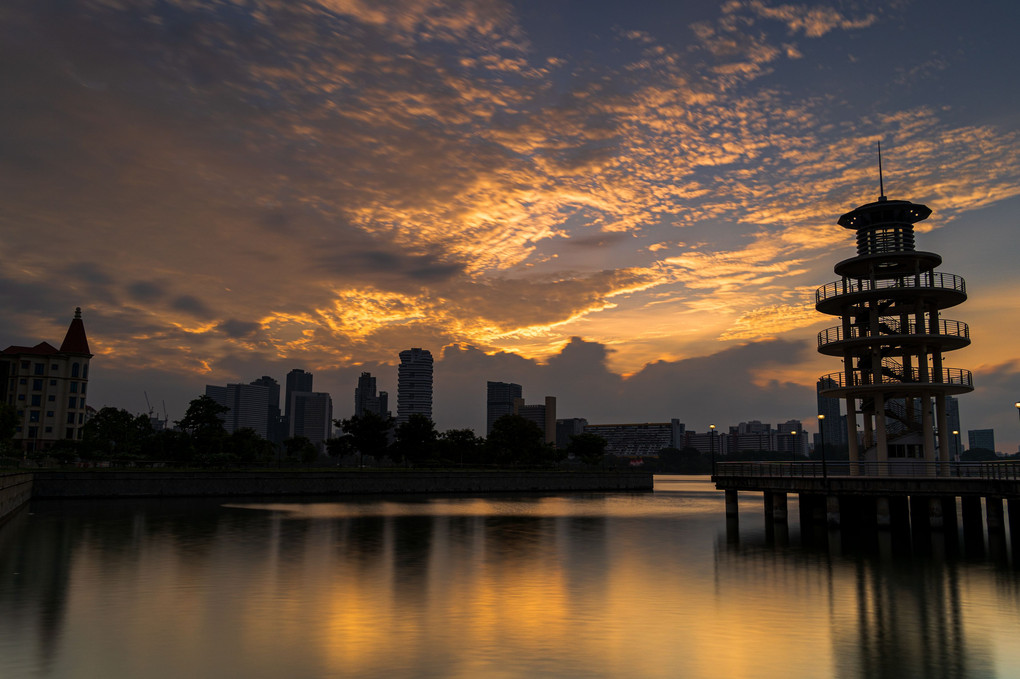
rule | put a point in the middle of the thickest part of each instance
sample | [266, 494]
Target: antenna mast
[881, 182]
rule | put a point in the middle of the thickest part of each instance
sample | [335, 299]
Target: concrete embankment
[58, 484]
[15, 490]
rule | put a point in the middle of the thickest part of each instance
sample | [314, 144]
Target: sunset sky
[627, 205]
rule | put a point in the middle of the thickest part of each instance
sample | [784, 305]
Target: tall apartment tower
[499, 401]
[833, 428]
[47, 388]
[248, 406]
[297, 380]
[543, 415]
[311, 416]
[367, 401]
[414, 384]
[273, 415]
[892, 338]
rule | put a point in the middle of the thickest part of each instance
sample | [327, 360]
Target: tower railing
[928, 280]
[893, 326]
[890, 375]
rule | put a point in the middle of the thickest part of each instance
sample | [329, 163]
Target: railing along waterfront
[850, 286]
[957, 377]
[1000, 471]
[892, 326]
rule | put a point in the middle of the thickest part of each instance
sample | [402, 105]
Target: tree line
[200, 439]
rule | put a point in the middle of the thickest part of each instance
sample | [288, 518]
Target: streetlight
[793, 446]
[1017, 406]
[956, 440]
[711, 445]
[821, 443]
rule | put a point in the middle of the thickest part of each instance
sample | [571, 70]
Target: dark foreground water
[592, 585]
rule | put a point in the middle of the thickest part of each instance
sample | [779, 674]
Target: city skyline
[627, 206]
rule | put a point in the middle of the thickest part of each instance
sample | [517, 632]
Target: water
[587, 585]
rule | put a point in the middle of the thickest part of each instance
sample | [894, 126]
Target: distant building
[643, 439]
[367, 401]
[47, 388]
[543, 415]
[414, 384]
[953, 424]
[274, 417]
[248, 406]
[569, 427]
[499, 401]
[791, 438]
[311, 416]
[834, 427]
[297, 380]
[981, 438]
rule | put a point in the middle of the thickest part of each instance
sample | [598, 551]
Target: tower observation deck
[892, 337]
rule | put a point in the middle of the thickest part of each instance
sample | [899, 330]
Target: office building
[311, 416]
[542, 415]
[414, 384]
[834, 426]
[297, 380]
[567, 428]
[981, 439]
[247, 404]
[366, 400]
[274, 417]
[499, 401]
[47, 387]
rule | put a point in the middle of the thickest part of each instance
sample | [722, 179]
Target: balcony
[946, 288]
[895, 379]
[946, 336]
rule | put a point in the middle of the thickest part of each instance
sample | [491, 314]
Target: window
[51, 398]
[40, 368]
[71, 402]
[36, 399]
[49, 413]
[54, 366]
[37, 385]
[74, 387]
[70, 418]
[33, 432]
[21, 397]
[19, 429]
[75, 368]
[83, 385]
[23, 380]
[53, 383]
[48, 430]
[81, 403]
[25, 365]
[33, 415]
[85, 372]
[81, 418]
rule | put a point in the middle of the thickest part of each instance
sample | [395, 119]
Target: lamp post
[711, 445]
[821, 443]
[956, 440]
[793, 446]
[1017, 406]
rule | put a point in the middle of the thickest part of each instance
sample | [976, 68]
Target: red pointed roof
[41, 349]
[75, 341]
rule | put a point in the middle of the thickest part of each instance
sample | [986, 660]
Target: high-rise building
[367, 401]
[499, 401]
[567, 428]
[953, 423]
[311, 416]
[47, 388]
[981, 438]
[297, 380]
[414, 384]
[248, 406]
[833, 428]
[274, 430]
[543, 415]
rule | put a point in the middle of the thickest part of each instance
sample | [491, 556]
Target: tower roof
[75, 341]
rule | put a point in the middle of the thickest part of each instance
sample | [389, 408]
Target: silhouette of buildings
[981, 438]
[367, 401]
[248, 406]
[953, 422]
[644, 439]
[834, 427]
[568, 427]
[543, 415]
[274, 418]
[414, 384]
[892, 337]
[47, 387]
[499, 401]
[311, 416]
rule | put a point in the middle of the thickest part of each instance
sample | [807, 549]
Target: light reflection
[597, 585]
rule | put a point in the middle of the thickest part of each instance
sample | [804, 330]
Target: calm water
[593, 585]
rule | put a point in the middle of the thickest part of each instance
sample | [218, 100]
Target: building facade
[981, 438]
[414, 384]
[366, 400]
[643, 439]
[499, 401]
[311, 416]
[543, 415]
[248, 406]
[47, 387]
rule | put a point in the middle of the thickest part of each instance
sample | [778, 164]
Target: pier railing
[1005, 471]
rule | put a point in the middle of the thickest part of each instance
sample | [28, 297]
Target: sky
[627, 206]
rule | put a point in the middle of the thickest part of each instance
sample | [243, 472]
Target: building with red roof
[47, 387]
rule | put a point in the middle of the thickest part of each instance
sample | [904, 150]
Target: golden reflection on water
[616, 585]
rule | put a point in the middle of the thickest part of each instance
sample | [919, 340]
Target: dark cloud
[237, 329]
[146, 291]
[192, 305]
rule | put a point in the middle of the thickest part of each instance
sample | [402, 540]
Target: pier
[882, 495]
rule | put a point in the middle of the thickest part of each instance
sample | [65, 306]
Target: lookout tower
[892, 338]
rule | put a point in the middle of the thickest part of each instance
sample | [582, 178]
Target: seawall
[57, 484]
[15, 490]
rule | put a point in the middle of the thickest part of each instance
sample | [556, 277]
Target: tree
[588, 447]
[416, 439]
[203, 424]
[9, 421]
[515, 440]
[370, 433]
[115, 433]
[245, 445]
[300, 448]
[460, 446]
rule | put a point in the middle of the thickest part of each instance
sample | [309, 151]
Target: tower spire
[881, 183]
